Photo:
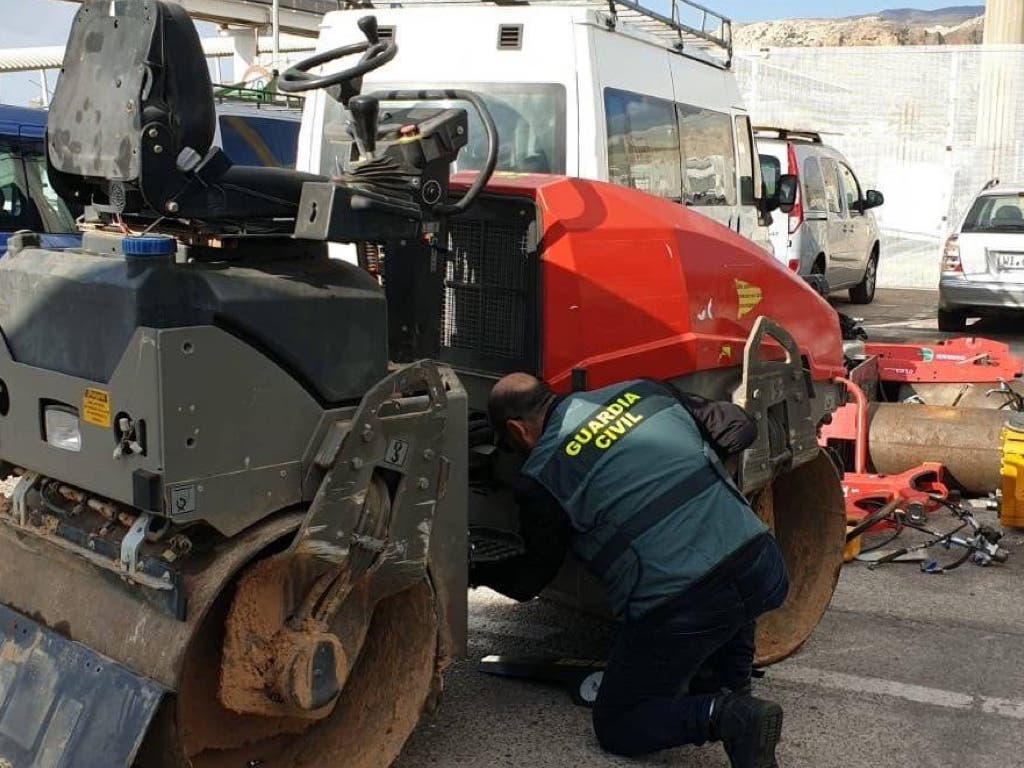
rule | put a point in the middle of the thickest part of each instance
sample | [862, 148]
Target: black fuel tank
[74, 311]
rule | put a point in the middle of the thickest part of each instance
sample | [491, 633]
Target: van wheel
[864, 291]
[952, 320]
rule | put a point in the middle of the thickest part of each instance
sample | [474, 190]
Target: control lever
[368, 26]
[365, 110]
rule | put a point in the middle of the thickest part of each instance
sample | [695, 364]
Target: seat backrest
[129, 64]
[1008, 213]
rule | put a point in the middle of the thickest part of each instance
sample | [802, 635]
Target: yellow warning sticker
[748, 296]
[96, 407]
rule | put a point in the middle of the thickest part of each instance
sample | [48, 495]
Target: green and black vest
[652, 508]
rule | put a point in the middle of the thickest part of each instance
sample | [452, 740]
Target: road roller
[249, 478]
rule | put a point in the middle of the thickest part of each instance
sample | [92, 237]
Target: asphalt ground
[908, 315]
[906, 669]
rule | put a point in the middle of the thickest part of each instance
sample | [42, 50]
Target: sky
[46, 22]
[36, 22]
[759, 10]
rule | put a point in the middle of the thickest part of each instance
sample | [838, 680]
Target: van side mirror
[872, 199]
[786, 190]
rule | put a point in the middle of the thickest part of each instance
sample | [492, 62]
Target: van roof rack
[257, 98]
[771, 132]
[690, 27]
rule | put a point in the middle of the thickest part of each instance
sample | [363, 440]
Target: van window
[745, 159]
[643, 143]
[814, 186]
[15, 210]
[771, 169]
[709, 156]
[54, 213]
[850, 186]
[530, 118]
[833, 189]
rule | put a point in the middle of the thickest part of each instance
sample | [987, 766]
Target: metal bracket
[161, 585]
[132, 543]
[398, 430]
[774, 391]
[332, 442]
[24, 485]
[613, 16]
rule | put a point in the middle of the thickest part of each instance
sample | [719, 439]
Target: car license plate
[1010, 260]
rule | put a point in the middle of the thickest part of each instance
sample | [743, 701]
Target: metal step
[62, 704]
[489, 545]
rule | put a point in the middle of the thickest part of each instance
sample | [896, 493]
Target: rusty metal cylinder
[966, 440]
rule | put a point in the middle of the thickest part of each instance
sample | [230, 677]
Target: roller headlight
[61, 427]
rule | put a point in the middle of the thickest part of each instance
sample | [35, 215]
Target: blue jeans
[644, 704]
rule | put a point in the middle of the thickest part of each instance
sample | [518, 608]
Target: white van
[634, 97]
[831, 230]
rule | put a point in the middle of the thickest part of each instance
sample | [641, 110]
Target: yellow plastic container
[852, 548]
[1011, 511]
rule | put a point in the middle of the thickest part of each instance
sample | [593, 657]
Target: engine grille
[489, 316]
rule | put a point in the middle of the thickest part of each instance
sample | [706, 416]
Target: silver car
[831, 230]
[983, 262]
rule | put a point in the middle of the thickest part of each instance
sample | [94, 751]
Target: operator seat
[536, 163]
[133, 119]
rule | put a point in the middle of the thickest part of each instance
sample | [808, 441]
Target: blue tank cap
[149, 246]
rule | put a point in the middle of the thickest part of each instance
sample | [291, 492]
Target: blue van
[27, 201]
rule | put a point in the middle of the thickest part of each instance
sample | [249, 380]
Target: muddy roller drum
[805, 510]
[966, 440]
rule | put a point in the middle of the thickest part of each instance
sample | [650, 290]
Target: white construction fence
[927, 126]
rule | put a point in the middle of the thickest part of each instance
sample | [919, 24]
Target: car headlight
[62, 430]
[951, 255]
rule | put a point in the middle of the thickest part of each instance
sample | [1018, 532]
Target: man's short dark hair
[517, 396]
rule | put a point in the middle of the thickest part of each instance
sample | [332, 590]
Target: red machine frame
[950, 361]
[866, 492]
[632, 285]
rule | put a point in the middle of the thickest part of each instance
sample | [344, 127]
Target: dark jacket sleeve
[728, 428]
[544, 528]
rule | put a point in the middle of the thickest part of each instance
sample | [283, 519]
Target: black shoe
[749, 729]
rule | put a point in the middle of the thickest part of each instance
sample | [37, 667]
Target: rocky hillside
[947, 26]
[951, 16]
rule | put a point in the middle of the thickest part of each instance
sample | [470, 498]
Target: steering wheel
[376, 54]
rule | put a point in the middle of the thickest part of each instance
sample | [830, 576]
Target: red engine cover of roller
[634, 285]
